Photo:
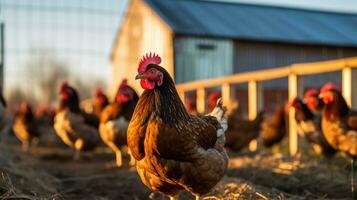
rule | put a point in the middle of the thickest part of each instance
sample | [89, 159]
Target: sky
[80, 33]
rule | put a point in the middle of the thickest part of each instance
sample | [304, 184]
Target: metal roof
[257, 22]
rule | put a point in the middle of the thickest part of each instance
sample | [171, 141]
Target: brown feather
[338, 125]
[352, 120]
[241, 132]
[25, 126]
[275, 130]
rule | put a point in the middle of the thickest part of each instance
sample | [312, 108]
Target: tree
[43, 78]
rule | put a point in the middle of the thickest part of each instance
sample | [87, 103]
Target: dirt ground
[49, 172]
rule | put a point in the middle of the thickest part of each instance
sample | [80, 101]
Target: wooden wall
[202, 58]
[142, 31]
[253, 55]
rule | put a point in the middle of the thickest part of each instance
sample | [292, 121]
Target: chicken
[241, 132]
[45, 115]
[309, 126]
[274, 131]
[115, 118]
[75, 128]
[212, 99]
[4, 120]
[25, 126]
[100, 102]
[174, 150]
[45, 119]
[339, 124]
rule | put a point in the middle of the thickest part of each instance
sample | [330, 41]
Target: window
[206, 47]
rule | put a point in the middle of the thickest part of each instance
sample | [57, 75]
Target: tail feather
[218, 112]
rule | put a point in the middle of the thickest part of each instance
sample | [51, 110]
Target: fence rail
[292, 72]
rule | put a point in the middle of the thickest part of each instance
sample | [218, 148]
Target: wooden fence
[347, 66]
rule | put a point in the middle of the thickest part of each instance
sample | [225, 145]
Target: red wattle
[312, 103]
[123, 99]
[328, 99]
[146, 84]
[65, 95]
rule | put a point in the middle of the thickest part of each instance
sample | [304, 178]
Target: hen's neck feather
[337, 109]
[29, 115]
[305, 113]
[72, 104]
[163, 102]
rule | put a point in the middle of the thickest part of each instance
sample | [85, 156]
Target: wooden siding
[202, 58]
[142, 31]
[250, 55]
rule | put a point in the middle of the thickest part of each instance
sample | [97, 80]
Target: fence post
[347, 84]
[293, 137]
[201, 100]
[255, 102]
[226, 95]
[354, 88]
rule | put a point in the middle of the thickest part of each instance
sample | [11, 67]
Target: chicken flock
[172, 145]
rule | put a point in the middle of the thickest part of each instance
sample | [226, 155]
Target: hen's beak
[139, 76]
[321, 95]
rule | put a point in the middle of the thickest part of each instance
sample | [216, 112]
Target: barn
[200, 39]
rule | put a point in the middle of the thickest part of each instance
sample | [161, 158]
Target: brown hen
[115, 118]
[5, 120]
[309, 126]
[76, 128]
[339, 124]
[275, 130]
[25, 126]
[174, 150]
[241, 132]
[100, 102]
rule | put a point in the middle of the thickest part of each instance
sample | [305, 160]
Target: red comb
[311, 92]
[64, 85]
[123, 83]
[190, 100]
[148, 59]
[24, 103]
[99, 92]
[214, 95]
[330, 86]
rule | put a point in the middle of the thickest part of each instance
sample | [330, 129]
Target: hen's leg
[118, 158]
[26, 146]
[353, 179]
[34, 142]
[197, 197]
[117, 151]
[78, 145]
[77, 155]
[132, 159]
